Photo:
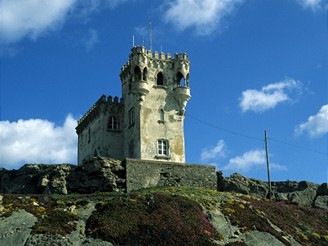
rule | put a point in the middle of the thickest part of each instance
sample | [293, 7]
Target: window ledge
[163, 157]
[114, 130]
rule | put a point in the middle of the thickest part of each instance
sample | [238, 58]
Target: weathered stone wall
[149, 173]
[158, 107]
[95, 138]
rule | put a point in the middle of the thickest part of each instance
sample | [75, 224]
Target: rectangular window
[162, 147]
[113, 123]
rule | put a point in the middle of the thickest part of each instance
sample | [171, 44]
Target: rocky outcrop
[103, 174]
[108, 175]
[303, 193]
[36, 179]
[98, 174]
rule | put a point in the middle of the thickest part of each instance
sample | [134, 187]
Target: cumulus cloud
[219, 150]
[269, 96]
[37, 141]
[31, 18]
[250, 160]
[204, 15]
[316, 125]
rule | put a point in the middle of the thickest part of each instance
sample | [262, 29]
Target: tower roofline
[154, 55]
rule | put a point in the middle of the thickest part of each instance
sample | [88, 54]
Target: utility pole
[267, 161]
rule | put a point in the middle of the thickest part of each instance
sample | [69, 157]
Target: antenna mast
[267, 161]
[150, 36]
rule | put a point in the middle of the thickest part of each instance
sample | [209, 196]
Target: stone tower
[148, 122]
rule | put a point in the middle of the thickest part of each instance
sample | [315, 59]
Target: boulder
[321, 202]
[239, 184]
[305, 193]
[322, 190]
[98, 174]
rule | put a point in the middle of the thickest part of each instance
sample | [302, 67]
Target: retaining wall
[150, 173]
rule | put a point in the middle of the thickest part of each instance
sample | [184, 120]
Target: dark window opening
[179, 78]
[137, 74]
[160, 78]
[131, 117]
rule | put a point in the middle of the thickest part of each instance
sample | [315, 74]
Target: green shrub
[56, 222]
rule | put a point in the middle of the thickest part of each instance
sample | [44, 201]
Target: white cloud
[250, 160]
[213, 153]
[316, 125]
[91, 40]
[204, 15]
[312, 4]
[31, 18]
[37, 141]
[269, 96]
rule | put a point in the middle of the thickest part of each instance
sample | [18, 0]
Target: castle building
[148, 121]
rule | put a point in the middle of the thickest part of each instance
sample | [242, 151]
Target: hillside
[158, 216]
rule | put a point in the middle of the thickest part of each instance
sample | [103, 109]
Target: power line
[255, 138]
[224, 129]
[298, 146]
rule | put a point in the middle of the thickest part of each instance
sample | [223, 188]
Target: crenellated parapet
[145, 59]
[103, 103]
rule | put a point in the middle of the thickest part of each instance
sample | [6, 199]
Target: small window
[160, 79]
[179, 78]
[131, 117]
[162, 147]
[144, 75]
[137, 74]
[161, 115]
[113, 123]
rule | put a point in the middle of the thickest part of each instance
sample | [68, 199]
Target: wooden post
[267, 161]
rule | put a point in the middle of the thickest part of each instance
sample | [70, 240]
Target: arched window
[161, 115]
[179, 77]
[113, 123]
[131, 117]
[144, 75]
[160, 79]
[187, 80]
[137, 74]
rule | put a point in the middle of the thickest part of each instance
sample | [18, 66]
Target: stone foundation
[150, 173]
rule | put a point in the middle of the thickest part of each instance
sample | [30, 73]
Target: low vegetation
[171, 216]
[158, 218]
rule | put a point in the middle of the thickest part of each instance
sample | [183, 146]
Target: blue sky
[255, 65]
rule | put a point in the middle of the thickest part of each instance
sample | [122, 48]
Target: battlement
[95, 110]
[154, 55]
